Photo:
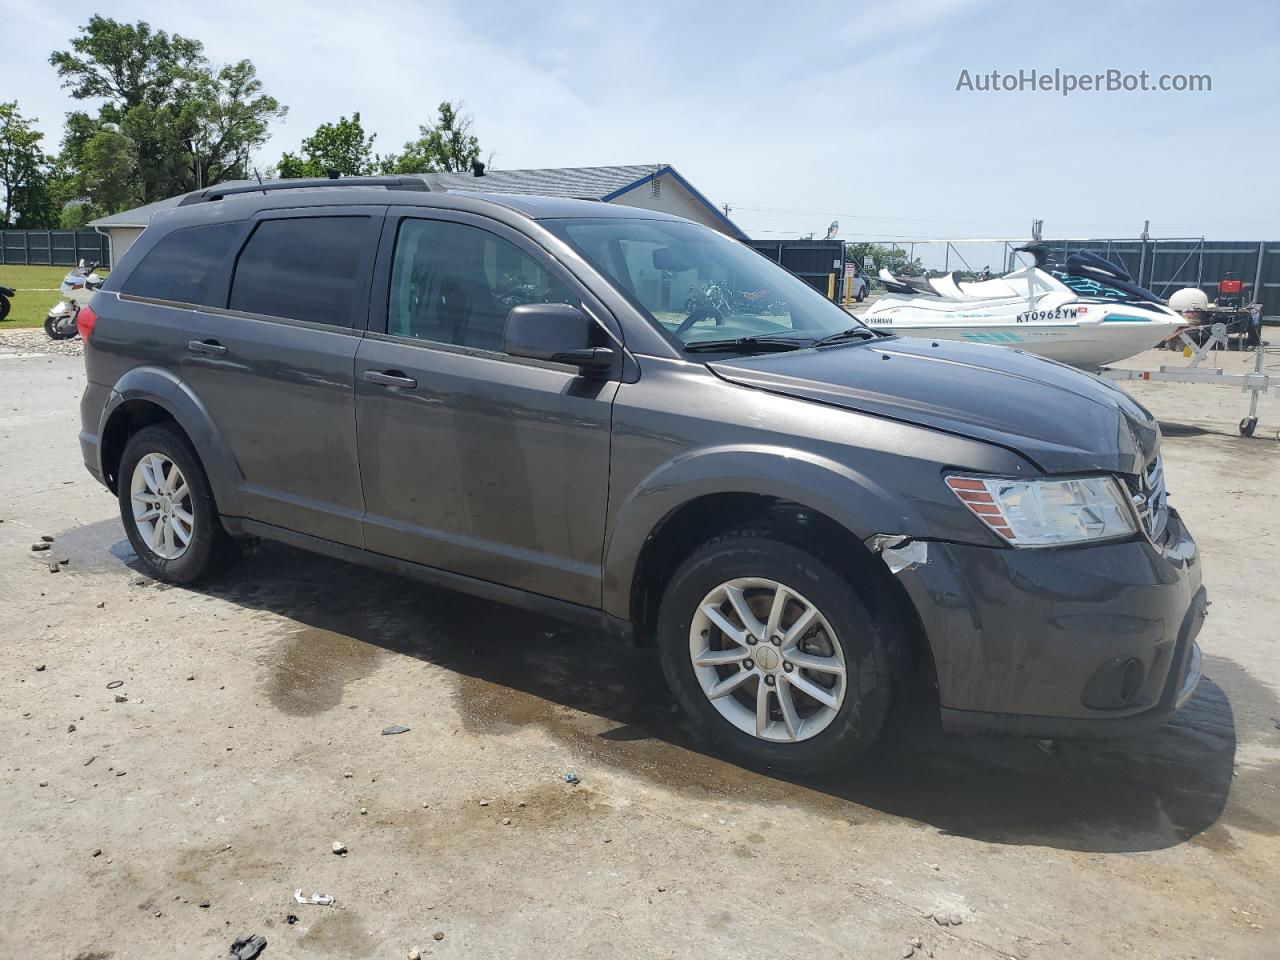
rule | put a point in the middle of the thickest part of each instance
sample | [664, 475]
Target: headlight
[1044, 513]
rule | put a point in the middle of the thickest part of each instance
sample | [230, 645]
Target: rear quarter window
[308, 268]
[184, 266]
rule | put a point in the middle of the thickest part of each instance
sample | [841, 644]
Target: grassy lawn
[37, 292]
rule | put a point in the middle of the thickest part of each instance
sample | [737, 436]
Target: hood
[1060, 418]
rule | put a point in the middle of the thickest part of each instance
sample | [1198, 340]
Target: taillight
[85, 321]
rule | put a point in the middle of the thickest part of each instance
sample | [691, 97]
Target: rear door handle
[210, 347]
[390, 378]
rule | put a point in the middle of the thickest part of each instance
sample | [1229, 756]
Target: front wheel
[58, 328]
[774, 655]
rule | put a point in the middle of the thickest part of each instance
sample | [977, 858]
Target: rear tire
[167, 507]
[4, 308]
[840, 649]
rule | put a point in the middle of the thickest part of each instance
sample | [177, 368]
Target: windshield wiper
[853, 333]
[761, 343]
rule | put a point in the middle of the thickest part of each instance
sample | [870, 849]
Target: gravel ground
[179, 761]
[37, 341]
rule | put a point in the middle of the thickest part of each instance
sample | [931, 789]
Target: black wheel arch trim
[163, 389]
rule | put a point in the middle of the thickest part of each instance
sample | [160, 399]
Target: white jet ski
[1086, 313]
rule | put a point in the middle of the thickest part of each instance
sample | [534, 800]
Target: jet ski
[1086, 312]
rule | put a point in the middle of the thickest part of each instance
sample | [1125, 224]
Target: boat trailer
[1258, 382]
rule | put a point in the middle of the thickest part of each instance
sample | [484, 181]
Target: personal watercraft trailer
[1087, 312]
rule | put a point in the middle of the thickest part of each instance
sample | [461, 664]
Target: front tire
[167, 507]
[774, 655]
[53, 327]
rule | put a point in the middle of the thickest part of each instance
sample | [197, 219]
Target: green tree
[24, 170]
[448, 145]
[892, 256]
[342, 147]
[187, 124]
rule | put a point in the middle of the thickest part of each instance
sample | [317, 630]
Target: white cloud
[824, 111]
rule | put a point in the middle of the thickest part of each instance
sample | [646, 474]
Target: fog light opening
[1131, 681]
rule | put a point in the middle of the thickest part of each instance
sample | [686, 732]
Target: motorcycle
[78, 288]
[5, 294]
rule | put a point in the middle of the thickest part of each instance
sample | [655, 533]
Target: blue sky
[795, 115]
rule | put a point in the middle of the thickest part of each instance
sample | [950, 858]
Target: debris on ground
[248, 947]
[71, 728]
[121, 698]
[37, 547]
[319, 899]
[115, 683]
[291, 918]
[40, 668]
[394, 729]
[53, 567]
[339, 848]
[364, 811]
[45, 538]
[506, 821]
[414, 954]
[438, 935]
[571, 778]
[484, 803]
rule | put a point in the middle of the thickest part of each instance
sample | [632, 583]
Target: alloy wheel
[767, 660]
[162, 510]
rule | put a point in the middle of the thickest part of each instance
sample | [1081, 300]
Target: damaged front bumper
[1081, 641]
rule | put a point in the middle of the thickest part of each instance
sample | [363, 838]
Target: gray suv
[512, 396]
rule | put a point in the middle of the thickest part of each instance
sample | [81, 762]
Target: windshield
[700, 286]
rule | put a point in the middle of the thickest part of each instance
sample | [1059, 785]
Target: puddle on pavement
[311, 668]
[514, 669]
[95, 548]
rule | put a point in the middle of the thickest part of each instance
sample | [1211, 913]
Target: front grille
[1151, 500]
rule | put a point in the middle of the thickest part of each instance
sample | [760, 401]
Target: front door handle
[390, 378]
[211, 348]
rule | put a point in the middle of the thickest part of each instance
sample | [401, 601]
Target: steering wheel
[699, 313]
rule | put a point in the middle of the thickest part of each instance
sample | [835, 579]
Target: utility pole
[1037, 228]
[1142, 260]
[727, 208]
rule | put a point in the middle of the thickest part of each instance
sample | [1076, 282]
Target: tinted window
[184, 265]
[454, 283]
[305, 269]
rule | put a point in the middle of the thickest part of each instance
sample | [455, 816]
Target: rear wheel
[774, 655]
[167, 507]
[4, 307]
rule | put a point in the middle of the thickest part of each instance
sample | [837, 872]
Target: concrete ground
[249, 740]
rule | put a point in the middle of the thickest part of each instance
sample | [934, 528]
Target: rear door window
[308, 268]
[186, 265]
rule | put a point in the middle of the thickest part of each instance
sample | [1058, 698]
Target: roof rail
[391, 183]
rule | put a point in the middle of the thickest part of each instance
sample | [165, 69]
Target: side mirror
[557, 332]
